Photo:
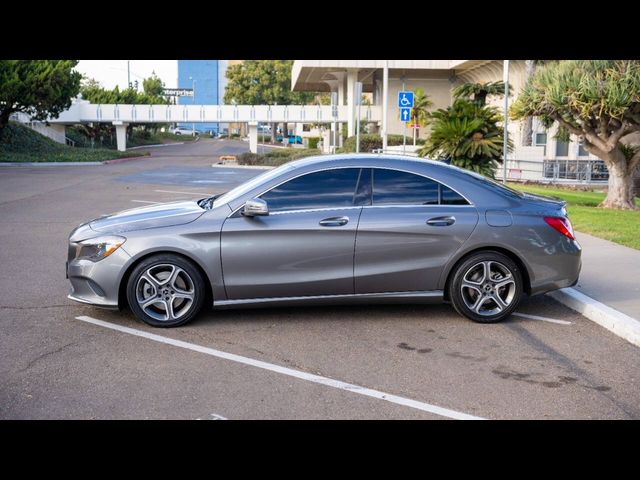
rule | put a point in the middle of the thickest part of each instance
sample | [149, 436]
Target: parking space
[65, 360]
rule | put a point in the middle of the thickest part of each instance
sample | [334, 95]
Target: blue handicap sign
[405, 99]
[405, 114]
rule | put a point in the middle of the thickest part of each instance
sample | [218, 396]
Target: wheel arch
[122, 286]
[526, 276]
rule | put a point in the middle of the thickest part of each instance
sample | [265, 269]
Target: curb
[125, 159]
[617, 322]
[156, 145]
[255, 167]
[49, 164]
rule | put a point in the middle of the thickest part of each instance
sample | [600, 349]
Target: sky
[114, 72]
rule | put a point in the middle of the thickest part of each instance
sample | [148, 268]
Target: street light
[193, 88]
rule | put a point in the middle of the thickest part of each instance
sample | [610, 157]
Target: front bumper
[97, 283]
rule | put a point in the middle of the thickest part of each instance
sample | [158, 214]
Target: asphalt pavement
[63, 360]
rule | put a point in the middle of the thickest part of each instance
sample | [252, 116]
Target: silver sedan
[326, 230]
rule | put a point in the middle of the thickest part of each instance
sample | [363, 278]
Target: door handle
[334, 222]
[441, 221]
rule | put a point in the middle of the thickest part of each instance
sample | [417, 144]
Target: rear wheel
[165, 290]
[486, 287]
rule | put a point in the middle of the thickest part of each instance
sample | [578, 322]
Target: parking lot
[63, 360]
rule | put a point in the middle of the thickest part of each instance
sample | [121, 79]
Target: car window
[392, 187]
[451, 197]
[325, 189]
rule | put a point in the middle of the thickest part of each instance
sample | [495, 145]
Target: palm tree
[467, 134]
[479, 91]
[420, 110]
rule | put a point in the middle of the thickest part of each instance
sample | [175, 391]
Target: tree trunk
[527, 127]
[274, 127]
[621, 188]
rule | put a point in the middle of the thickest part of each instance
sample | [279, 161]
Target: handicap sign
[405, 114]
[405, 99]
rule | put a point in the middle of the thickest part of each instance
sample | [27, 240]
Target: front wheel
[165, 290]
[486, 287]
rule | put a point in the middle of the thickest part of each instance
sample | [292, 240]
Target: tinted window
[449, 197]
[391, 187]
[327, 189]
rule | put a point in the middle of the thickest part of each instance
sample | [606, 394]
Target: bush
[313, 142]
[275, 157]
[372, 141]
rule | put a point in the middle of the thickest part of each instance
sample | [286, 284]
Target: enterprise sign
[178, 92]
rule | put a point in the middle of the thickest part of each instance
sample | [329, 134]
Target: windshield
[250, 185]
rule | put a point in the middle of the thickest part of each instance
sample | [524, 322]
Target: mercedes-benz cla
[326, 230]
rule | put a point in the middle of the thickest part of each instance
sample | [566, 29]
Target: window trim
[469, 202]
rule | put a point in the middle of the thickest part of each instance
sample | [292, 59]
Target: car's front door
[411, 229]
[303, 247]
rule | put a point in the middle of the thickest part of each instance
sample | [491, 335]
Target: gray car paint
[286, 258]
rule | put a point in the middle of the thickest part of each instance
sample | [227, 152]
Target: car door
[405, 237]
[304, 247]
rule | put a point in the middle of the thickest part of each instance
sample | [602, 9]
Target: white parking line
[145, 201]
[182, 193]
[544, 319]
[329, 382]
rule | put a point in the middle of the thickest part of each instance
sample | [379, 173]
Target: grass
[619, 226]
[21, 144]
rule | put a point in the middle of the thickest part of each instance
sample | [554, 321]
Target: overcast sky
[114, 72]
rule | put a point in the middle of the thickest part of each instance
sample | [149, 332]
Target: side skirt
[435, 296]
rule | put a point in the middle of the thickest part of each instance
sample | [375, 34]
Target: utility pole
[359, 100]
[128, 75]
[404, 132]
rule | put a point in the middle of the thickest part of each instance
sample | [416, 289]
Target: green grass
[276, 157]
[619, 226]
[21, 144]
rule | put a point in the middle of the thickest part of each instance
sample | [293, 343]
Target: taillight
[562, 225]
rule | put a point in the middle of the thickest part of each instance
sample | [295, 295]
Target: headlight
[97, 248]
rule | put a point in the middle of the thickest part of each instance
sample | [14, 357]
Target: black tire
[463, 293]
[178, 300]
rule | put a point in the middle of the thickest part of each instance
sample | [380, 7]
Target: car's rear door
[405, 237]
[304, 247]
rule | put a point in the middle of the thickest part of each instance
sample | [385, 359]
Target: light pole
[505, 77]
[193, 88]
[385, 97]
[358, 90]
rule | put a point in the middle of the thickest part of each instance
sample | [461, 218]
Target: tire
[482, 299]
[174, 282]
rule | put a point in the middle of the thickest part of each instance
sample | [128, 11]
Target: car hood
[162, 215]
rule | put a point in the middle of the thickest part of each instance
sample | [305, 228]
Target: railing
[557, 171]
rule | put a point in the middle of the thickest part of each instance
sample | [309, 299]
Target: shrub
[313, 142]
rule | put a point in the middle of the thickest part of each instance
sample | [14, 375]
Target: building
[204, 77]
[547, 157]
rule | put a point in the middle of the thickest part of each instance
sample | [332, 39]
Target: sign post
[405, 104]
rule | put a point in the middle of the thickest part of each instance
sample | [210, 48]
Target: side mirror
[255, 207]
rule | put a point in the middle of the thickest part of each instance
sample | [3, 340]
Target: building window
[306, 127]
[582, 152]
[562, 148]
[541, 141]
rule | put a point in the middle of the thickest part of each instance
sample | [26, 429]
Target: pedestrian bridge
[122, 115]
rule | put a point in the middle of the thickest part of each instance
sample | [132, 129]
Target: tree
[153, 85]
[467, 133]
[420, 110]
[263, 82]
[39, 88]
[599, 102]
[527, 126]
[478, 92]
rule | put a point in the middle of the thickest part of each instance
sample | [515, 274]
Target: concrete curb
[256, 167]
[125, 159]
[156, 145]
[617, 322]
[49, 164]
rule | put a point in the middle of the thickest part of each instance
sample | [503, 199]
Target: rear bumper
[562, 272]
